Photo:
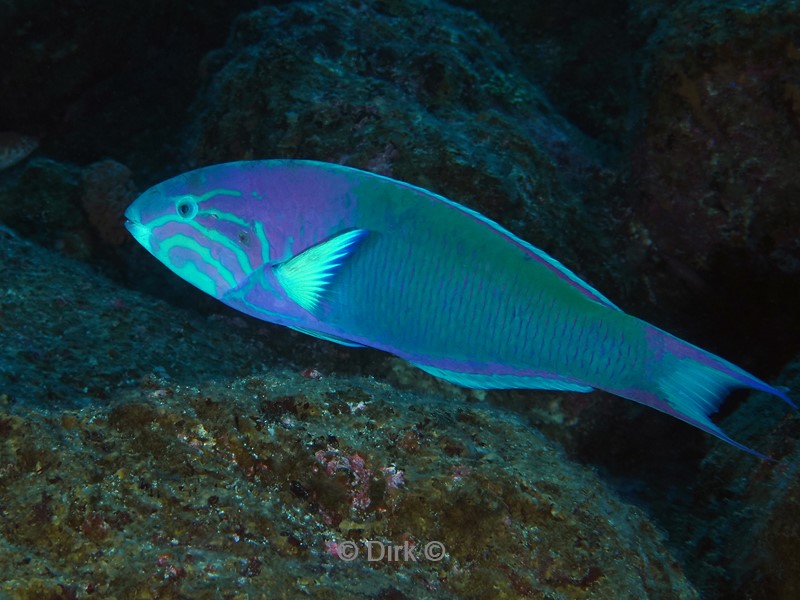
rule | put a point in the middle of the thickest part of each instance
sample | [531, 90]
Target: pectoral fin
[306, 277]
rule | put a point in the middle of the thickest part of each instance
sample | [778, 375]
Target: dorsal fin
[541, 256]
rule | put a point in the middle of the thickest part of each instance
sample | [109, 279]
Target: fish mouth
[131, 215]
[141, 233]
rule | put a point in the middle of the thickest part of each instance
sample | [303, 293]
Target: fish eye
[186, 208]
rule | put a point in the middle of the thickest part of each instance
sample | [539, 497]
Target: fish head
[204, 233]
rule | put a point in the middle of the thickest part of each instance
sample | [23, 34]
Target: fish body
[364, 260]
[15, 147]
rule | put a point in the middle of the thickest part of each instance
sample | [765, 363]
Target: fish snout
[141, 233]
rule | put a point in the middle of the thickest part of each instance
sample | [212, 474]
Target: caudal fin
[691, 384]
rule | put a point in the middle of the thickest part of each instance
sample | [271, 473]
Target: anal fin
[492, 381]
[327, 337]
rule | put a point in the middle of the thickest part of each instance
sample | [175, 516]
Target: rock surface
[716, 207]
[451, 112]
[139, 464]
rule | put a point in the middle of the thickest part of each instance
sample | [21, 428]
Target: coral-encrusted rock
[15, 148]
[261, 481]
[419, 91]
[68, 335]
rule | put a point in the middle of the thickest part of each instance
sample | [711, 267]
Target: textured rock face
[583, 53]
[196, 478]
[715, 169]
[740, 517]
[449, 111]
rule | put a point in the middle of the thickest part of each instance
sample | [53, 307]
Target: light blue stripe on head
[192, 274]
[262, 238]
[212, 235]
[223, 216]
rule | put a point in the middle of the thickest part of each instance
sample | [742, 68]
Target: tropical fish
[15, 147]
[363, 260]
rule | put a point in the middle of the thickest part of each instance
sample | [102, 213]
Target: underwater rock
[190, 462]
[77, 211]
[715, 210]
[582, 53]
[743, 516]
[72, 78]
[71, 336]
[419, 91]
[41, 202]
[107, 192]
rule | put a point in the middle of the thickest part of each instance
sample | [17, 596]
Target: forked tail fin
[691, 384]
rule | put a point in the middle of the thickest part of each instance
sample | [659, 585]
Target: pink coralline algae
[394, 477]
[15, 147]
[356, 466]
[312, 374]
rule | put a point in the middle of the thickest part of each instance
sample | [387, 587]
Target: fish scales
[364, 260]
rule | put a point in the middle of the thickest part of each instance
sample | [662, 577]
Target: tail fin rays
[695, 391]
[693, 384]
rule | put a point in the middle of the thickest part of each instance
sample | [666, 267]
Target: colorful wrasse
[363, 260]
